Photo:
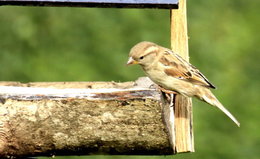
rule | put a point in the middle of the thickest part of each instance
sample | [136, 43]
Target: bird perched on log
[171, 72]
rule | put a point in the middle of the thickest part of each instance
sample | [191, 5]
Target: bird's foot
[169, 94]
[171, 100]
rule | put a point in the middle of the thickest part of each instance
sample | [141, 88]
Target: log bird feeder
[81, 118]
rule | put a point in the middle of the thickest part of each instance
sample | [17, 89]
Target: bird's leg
[171, 93]
[172, 99]
[167, 91]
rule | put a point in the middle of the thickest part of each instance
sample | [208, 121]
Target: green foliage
[87, 44]
[74, 44]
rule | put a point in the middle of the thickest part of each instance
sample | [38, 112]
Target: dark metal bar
[162, 4]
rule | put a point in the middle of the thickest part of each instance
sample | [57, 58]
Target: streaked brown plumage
[172, 72]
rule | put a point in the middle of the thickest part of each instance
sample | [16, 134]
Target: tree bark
[81, 118]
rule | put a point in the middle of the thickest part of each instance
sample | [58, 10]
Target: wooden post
[184, 141]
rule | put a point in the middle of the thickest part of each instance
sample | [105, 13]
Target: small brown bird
[171, 72]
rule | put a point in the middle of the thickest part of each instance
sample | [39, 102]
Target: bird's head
[143, 53]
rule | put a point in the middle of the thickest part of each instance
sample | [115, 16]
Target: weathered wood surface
[81, 118]
[163, 4]
[183, 106]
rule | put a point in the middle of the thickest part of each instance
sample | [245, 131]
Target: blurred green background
[92, 44]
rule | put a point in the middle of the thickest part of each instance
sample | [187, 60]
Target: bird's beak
[131, 61]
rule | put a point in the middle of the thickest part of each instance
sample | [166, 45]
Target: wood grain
[183, 105]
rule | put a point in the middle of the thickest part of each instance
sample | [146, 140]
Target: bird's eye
[141, 57]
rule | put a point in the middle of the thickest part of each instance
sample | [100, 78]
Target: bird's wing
[179, 68]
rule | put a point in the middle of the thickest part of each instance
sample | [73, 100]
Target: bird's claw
[172, 100]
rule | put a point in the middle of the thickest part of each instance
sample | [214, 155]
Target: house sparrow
[171, 72]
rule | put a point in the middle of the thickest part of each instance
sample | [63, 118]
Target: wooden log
[81, 118]
[183, 106]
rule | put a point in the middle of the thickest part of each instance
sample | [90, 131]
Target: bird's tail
[212, 100]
